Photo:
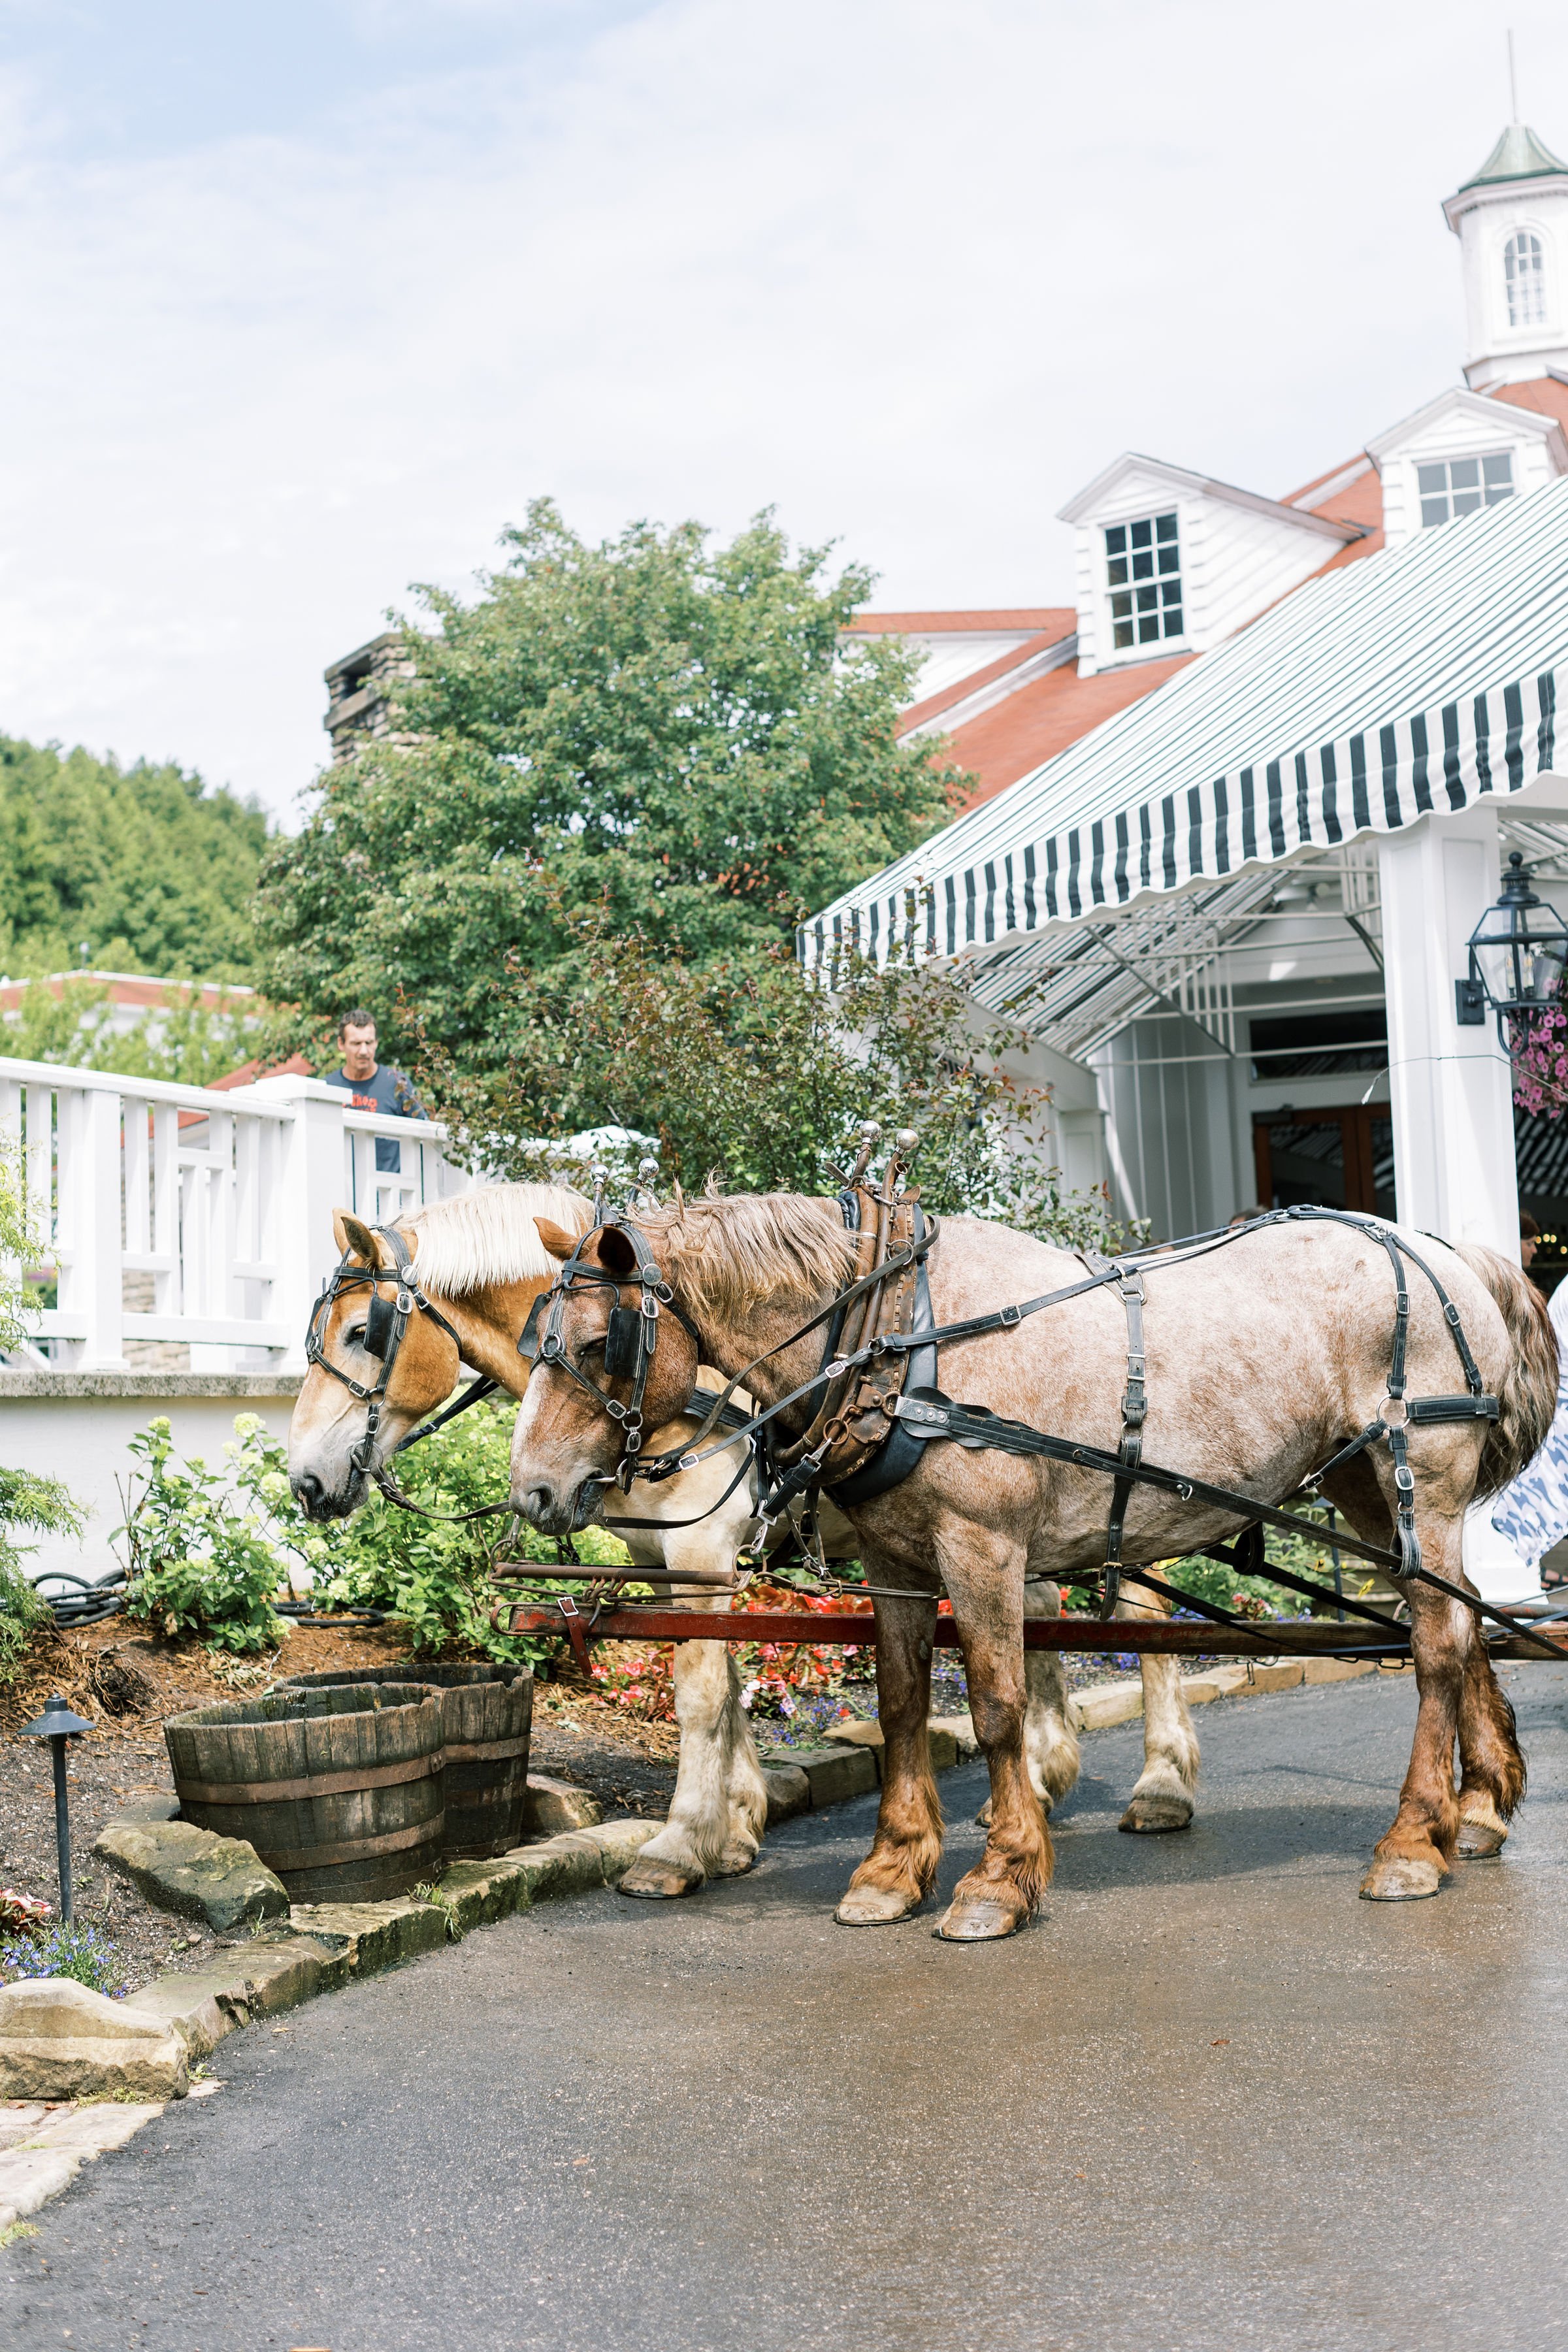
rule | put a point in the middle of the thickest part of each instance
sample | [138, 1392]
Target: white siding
[1235, 562]
[1458, 432]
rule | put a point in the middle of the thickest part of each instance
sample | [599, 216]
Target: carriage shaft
[828, 1629]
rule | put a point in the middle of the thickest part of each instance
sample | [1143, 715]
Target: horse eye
[355, 1336]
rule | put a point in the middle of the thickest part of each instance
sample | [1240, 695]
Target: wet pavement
[1209, 2100]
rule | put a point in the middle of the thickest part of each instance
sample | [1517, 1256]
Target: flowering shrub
[203, 1546]
[22, 1914]
[1540, 1051]
[773, 1673]
[639, 1681]
[77, 1952]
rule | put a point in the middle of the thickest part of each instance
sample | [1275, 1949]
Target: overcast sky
[302, 301]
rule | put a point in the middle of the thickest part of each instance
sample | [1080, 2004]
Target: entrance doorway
[1341, 1158]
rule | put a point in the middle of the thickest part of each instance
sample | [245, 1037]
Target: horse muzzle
[320, 1502]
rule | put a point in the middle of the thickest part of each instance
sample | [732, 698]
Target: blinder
[380, 1326]
[622, 1342]
[631, 1334]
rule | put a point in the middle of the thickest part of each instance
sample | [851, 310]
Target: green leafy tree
[752, 1073]
[658, 728]
[143, 866]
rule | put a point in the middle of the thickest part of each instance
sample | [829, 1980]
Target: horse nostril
[309, 1493]
[537, 1502]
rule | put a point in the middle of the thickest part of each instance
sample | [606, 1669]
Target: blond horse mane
[734, 1255]
[489, 1235]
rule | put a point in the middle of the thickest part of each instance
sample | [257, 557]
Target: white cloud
[910, 270]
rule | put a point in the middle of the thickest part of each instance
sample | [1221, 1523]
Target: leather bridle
[386, 1325]
[630, 1338]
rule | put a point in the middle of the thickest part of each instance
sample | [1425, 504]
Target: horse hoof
[982, 1818]
[659, 1881]
[1155, 1814]
[981, 1920]
[1479, 1841]
[1401, 1880]
[874, 1906]
[735, 1862]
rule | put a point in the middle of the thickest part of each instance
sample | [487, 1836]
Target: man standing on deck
[371, 1085]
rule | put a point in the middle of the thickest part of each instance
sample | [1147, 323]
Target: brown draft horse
[1264, 1358]
[482, 1263]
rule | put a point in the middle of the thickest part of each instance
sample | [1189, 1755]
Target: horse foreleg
[1050, 1742]
[896, 1875]
[1162, 1798]
[719, 1807]
[1492, 1767]
[1418, 1850]
[984, 1571]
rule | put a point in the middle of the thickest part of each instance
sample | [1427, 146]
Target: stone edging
[321, 1946]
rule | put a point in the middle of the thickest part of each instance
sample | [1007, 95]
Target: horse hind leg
[1161, 1800]
[1491, 1764]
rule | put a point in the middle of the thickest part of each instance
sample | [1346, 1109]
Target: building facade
[1240, 805]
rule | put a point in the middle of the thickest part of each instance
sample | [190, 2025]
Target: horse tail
[1527, 1393]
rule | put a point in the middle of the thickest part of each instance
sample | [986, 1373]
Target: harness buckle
[1009, 1316]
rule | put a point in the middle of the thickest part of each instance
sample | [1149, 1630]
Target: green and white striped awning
[1409, 682]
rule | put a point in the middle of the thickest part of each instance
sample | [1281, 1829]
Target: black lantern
[1517, 953]
[56, 1724]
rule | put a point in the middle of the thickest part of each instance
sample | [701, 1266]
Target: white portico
[1243, 905]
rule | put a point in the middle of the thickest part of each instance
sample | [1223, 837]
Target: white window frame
[1477, 457]
[1148, 649]
[1536, 278]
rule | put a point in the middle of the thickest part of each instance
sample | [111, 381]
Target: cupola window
[1143, 566]
[1458, 485]
[1524, 276]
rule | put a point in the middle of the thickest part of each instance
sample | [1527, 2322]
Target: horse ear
[353, 1237]
[616, 1251]
[556, 1239]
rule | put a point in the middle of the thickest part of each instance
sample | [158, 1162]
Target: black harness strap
[932, 1414]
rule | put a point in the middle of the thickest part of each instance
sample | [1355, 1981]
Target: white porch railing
[218, 1204]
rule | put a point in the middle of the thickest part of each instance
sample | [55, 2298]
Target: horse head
[616, 1357]
[378, 1366]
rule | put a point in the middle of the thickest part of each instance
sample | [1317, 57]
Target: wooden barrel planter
[341, 1791]
[489, 1715]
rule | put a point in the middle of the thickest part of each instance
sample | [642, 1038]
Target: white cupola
[1512, 221]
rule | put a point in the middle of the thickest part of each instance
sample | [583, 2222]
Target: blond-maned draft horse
[481, 1263]
[1264, 1358]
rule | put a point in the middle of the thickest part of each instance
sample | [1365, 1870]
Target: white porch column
[1451, 1089]
[311, 1188]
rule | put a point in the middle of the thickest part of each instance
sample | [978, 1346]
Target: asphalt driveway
[1210, 2099]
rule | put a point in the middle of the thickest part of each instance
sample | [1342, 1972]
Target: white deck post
[93, 1285]
[1451, 1089]
[311, 1184]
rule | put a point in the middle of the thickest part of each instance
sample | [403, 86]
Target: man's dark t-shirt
[389, 1090]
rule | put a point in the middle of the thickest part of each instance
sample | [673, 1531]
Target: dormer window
[1524, 276]
[1143, 567]
[1458, 485]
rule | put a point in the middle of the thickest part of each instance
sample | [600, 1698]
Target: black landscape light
[1517, 953]
[55, 1725]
